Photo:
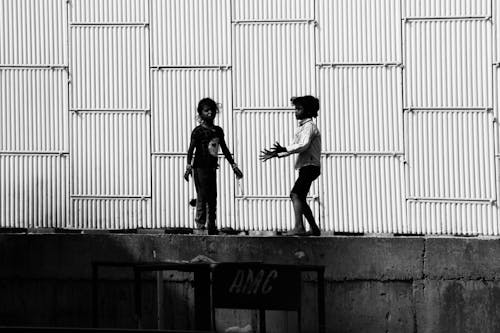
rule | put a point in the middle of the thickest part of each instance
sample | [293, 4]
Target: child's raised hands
[267, 154]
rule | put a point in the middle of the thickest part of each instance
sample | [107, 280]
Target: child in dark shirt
[205, 141]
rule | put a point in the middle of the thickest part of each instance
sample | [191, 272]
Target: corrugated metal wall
[98, 99]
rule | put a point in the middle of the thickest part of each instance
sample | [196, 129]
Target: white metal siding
[358, 31]
[110, 213]
[33, 32]
[274, 177]
[272, 62]
[453, 218]
[34, 191]
[110, 154]
[364, 194]
[109, 11]
[448, 64]
[33, 110]
[109, 68]
[263, 10]
[446, 8]
[360, 109]
[190, 32]
[270, 213]
[450, 155]
[406, 90]
[175, 97]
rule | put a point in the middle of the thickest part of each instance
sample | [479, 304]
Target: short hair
[309, 103]
[208, 102]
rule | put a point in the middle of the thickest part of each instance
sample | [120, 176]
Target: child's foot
[297, 232]
[213, 231]
[315, 231]
[200, 226]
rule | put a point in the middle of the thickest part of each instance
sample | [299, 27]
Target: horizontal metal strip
[168, 154]
[120, 24]
[253, 109]
[360, 64]
[45, 67]
[268, 197]
[284, 21]
[111, 197]
[447, 18]
[219, 67]
[361, 153]
[461, 109]
[162, 153]
[110, 110]
[452, 200]
[43, 153]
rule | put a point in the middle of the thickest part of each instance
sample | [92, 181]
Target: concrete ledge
[69, 256]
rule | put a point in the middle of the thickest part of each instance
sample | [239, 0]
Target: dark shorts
[307, 175]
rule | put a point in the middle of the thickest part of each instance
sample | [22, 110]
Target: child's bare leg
[298, 208]
[310, 218]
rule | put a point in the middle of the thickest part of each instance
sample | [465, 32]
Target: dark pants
[205, 181]
[307, 175]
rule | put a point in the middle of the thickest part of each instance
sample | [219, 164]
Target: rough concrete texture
[408, 284]
[457, 306]
[387, 306]
[462, 258]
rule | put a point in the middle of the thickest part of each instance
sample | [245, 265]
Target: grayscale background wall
[98, 99]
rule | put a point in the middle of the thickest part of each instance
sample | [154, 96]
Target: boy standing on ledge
[307, 144]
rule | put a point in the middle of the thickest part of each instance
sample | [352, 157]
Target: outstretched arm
[267, 154]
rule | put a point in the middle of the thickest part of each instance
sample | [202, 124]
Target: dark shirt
[205, 142]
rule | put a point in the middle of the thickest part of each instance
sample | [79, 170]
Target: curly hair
[207, 102]
[309, 103]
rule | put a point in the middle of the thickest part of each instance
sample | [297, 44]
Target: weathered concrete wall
[407, 284]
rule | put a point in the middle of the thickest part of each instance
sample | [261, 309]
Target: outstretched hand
[267, 154]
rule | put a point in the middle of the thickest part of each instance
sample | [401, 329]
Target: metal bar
[263, 197]
[464, 109]
[219, 67]
[263, 109]
[52, 67]
[202, 301]
[160, 300]
[262, 320]
[95, 292]
[299, 310]
[360, 64]
[142, 197]
[465, 200]
[112, 24]
[137, 296]
[40, 153]
[446, 18]
[111, 110]
[273, 21]
[361, 153]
